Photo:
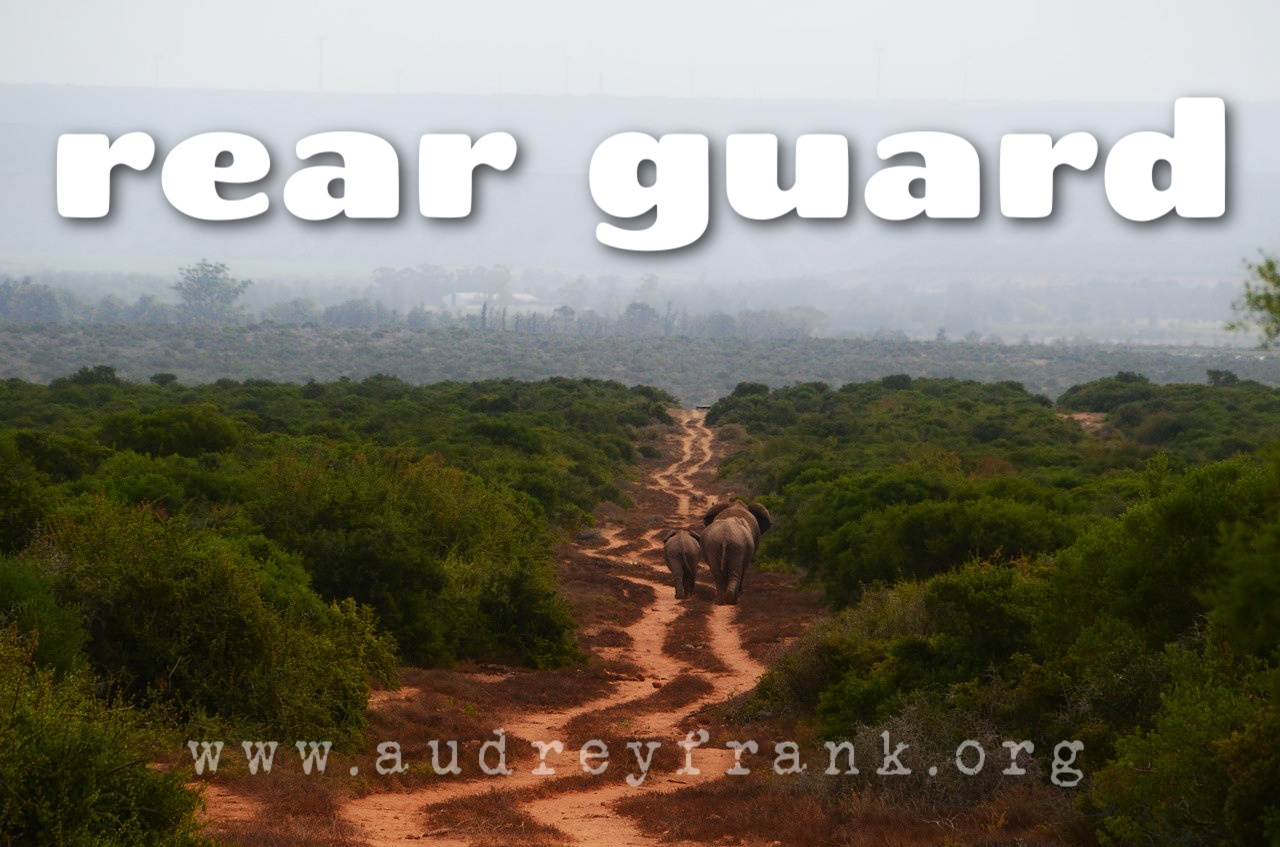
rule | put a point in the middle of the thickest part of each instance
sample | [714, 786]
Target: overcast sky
[1015, 49]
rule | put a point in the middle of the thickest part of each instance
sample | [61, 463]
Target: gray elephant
[682, 549]
[729, 544]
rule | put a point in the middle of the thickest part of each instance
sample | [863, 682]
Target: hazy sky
[1016, 49]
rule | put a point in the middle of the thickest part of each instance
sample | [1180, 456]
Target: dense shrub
[1206, 770]
[176, 618]
[24, 497]
[171, 483]
[1003, 577]
[62, 456]
[1195, 423]
[28, 605]
[74, 770]
[917, 540]
[1104, 395]
[185, 430]
[452, 566]
[452, 551]
[1153, 566]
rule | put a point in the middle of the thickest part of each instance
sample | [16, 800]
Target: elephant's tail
[723, 557]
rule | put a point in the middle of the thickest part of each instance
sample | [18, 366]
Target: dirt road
[662, 661]
[585, 815]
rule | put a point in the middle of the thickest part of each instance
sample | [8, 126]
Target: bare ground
[657, 666]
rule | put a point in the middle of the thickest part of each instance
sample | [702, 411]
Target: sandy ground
[627, 546]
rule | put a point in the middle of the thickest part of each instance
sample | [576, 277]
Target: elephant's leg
[718, 578]
[735, 567]
[690, 579]
[677, 573]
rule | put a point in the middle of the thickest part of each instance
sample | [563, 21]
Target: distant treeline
[957, 306]
[24, 302]
[696, 370]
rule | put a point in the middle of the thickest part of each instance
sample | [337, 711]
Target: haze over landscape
[1004, 494]
[565, 77]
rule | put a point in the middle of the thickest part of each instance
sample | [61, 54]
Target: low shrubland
[252, 558]
[997, 573]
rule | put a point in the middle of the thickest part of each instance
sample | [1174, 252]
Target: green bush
[27, 602]
[1207, 766]
[1153, 566]
[1195, 423]
[175, 617]
[453, 567]
[1207, 769]
[74, 770]
[1104, 395]
[972, 620]
[917, 540]
[24, 497]
[62, 456]
[169, 482]
[828, 649]
[1004, 577]
[185, 430]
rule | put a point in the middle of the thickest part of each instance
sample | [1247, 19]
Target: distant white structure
[466, 302]
[472, 302]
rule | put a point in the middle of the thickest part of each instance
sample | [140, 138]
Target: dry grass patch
[729, 811]
[490, 819]
[790, 810]
[689, 636]
[609, 637]
[773, 610]
[613, 722]
[598, 595]
[294, 809]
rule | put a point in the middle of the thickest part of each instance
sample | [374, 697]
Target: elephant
[682, 550]
[729, 544]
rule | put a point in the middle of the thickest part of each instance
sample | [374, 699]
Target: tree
[209, 293]
[96, 375]
[564, 316]
[25, 302]
[1259, 305]
[1222, 378]
[299, 310]
[640, 319]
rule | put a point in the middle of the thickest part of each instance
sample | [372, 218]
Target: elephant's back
[681, 545]
[727, 529]
[738, 512]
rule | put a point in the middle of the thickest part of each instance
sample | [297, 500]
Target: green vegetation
[697, 369]
[208, 293]
[1000, 573]
[74, 770]
[1190, 422]
[434, 507]
[1258, 307]
[252, 557]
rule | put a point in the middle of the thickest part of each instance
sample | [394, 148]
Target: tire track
[586, 816]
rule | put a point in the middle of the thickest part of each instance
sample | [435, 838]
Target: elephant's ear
[761, 515]
[697, 536]
[713, 511]
[666, 536]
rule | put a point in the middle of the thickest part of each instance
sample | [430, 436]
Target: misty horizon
[565, 76]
